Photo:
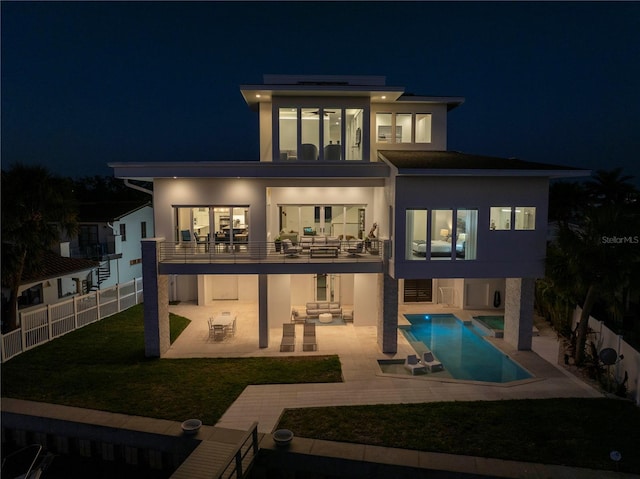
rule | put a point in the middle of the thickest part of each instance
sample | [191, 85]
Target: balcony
[263, 253]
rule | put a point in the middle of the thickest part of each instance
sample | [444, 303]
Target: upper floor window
[423, 127]
[441, 235]
[123, 232]
[509, 218]
[311, 134]
[205, 225]
[143, 229]
[403, 127]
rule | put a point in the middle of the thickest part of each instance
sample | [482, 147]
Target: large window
[416, 221]
[423, 128]
[403, 127]
[206, 226]
[341, 221]
[327, 134]
[509, 218]
[442, 234]
[525, 218]
[466, 234]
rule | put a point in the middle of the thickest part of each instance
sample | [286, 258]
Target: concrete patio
[364, 383]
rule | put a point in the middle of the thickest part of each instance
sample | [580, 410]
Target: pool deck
[364, 383]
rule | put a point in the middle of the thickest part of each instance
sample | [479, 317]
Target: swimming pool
[461, 349]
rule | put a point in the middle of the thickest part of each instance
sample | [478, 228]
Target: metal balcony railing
[265, 252]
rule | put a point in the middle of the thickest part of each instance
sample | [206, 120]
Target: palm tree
[36, 208]
[586, 263]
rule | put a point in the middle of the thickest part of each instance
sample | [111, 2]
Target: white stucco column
[263, 311]
[518, 312]
[157, 337]
[388, 314]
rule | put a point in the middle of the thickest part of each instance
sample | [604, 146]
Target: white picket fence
[44, 324]
[605, 338]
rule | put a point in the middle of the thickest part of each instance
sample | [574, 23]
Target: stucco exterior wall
[509, 253]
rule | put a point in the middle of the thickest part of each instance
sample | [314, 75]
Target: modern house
[355, 201]
[110, 233]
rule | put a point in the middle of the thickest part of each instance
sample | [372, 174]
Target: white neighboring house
[111, 234]
[59, 278]
[343, 158]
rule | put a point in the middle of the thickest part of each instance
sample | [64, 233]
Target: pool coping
[495, 341]
[430, 377]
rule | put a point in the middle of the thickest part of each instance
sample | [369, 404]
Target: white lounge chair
[413, 364]
[430, 362]
[288, 343]
[309, 342]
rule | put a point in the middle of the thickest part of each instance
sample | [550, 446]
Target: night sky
[87, 83]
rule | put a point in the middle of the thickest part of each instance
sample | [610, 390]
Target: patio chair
[430, 362]
[354, 250]
[288, 343]
[219, 332]
[230, 330]
[414, 365]
[298, 317]
[290, 250]
[309, 342]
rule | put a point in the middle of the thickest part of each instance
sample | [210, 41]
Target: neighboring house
[111, 233]
[60, 277]
[355, 178]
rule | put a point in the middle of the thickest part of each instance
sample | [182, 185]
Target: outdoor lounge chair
[356, 249]
[290, 250]
[288, 343]
[430, 362]
[414, 365]
[309, 342]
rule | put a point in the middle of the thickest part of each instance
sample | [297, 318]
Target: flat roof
[372, 87]
[147, 171]
[454, 163]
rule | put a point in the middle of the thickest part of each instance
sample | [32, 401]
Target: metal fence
[51, 321]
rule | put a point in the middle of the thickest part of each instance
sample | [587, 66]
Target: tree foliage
[595, 254]
[36, 208]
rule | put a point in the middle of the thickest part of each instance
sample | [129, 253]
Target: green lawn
[102, 366]
[576, 432]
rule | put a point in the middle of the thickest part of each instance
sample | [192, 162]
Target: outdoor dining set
[222, 326]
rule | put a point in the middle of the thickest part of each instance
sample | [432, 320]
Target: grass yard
[102, 366]
[575, 432]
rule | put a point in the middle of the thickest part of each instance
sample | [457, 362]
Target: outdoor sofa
[315, 309]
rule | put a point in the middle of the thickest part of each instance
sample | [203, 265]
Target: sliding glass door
[342, 221]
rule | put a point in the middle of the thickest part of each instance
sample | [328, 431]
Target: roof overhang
[453, 163]
[255, 94]
[249, 169]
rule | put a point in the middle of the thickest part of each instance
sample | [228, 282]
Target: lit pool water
[462, 349]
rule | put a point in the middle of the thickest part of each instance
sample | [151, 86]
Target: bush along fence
[623, 376]
[44, 324]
